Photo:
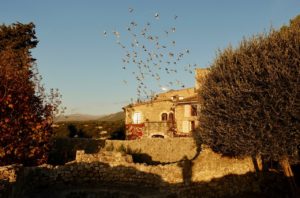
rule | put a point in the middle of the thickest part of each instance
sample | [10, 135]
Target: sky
[74, 56]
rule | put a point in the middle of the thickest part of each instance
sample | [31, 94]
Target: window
[164, 117]
[157, 136]
[137, 118]
[186, 126]
[171, 117]
[193, 126]
[187, 111]
[194, 110]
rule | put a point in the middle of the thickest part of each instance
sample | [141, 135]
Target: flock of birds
[148, 56]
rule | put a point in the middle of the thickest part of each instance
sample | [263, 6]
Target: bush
[64, 150]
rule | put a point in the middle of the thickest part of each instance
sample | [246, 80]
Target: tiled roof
[166, 96]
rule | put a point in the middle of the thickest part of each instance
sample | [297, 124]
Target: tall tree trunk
[287, 170]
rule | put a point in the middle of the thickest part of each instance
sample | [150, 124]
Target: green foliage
[64, 149]
[72, 130]
[118, 133]
[251, 98]
[26, 114]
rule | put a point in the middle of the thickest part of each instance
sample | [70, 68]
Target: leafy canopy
[26, 112]
[250, 101]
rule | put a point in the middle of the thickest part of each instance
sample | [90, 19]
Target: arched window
[164, 117]
[171, 117]
[157, 136]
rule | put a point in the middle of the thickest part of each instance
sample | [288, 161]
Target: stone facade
[169, 114]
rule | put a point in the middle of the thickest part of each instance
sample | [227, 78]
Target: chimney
[200, 74]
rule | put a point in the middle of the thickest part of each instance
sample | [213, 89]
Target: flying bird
[134, 24]
[117, 34]
[147, 59]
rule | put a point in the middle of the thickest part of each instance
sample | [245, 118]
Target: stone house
[169, 114]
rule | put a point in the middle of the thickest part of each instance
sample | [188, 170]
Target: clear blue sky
[74, 56]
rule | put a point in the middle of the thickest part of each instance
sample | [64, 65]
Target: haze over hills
[85, 117]
[113, 117]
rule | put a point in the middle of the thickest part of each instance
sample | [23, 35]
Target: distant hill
[83, 117]
[77, 117]
[113, 117]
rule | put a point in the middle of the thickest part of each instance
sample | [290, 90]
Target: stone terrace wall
[161, 150]
[117, 169]
[87, 171]
[210, 165]
[207, 166]
[170, 173]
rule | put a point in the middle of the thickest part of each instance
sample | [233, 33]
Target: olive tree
[250, 100]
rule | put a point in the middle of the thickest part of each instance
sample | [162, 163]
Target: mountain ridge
[86, 117]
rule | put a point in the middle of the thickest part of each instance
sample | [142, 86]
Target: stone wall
[207, 166]
[8, 176]
[160, 150]
[117, 169]
[9, 173]
[170, 173]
